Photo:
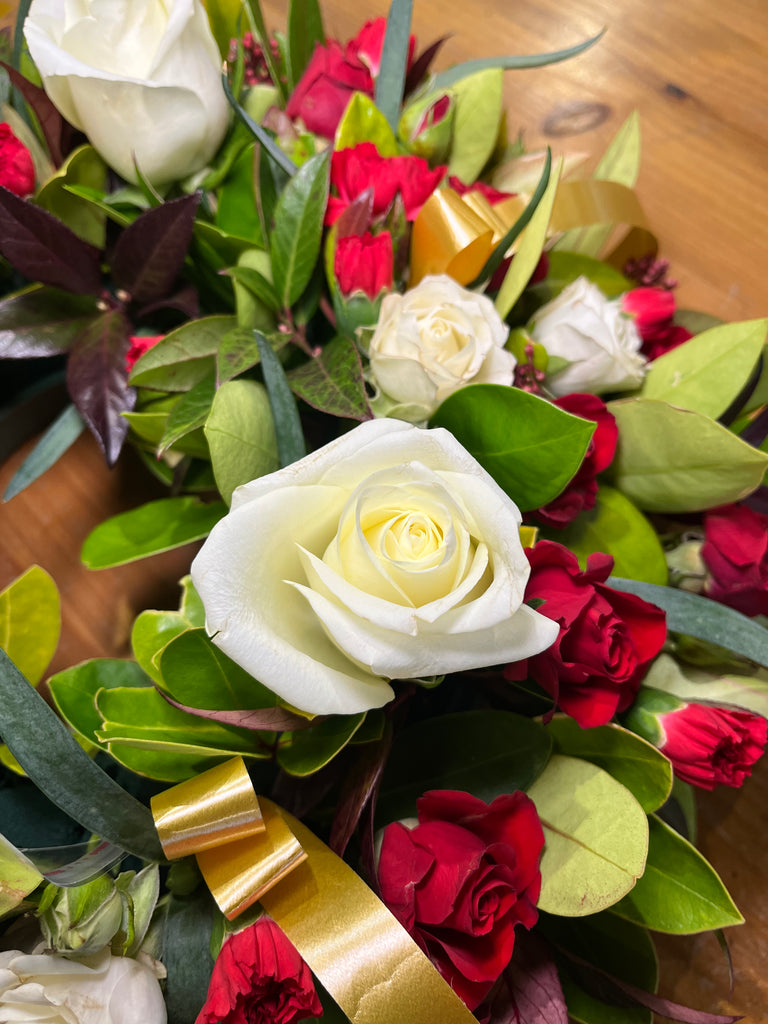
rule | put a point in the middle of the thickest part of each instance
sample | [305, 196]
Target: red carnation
[579, 495]
[364, 263]
[259, 978]
[17, 172]
[607, 638]
[711, 746]
[140, 343]
[653, 310]
[735, 551]
[462, 879]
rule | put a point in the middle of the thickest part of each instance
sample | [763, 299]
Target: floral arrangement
[486, 556]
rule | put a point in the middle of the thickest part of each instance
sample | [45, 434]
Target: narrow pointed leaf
[290, 437]
[295, 242]
[60, 436]
[282, 160]
[51, 122]
[390, 83]
[305, 30]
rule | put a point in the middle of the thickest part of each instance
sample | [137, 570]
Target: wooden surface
[696, 73]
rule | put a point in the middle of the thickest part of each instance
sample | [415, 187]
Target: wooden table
[696, 73]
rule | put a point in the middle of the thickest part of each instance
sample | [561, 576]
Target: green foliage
[749, 692]
[362, 121]
[82, 167]
[333, 381]
[241, 435]
[479, 105]
[390, 82]
[18, 877]
[184, 357]
[308, 750]
[30, 622]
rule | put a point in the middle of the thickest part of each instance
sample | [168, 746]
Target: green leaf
[256, 300]
[695, 321]
[186, 954]
[677, 460]
[709, 371]
[697, 684]
[529, 251]
[362, 121]
[223, 17]
[529, 446]
[237, 353]
[30, 622]
[85, 167]
[263, 137]
[617, 528]
[485, 753]
[390, 82]
[74, 690]
[680, 893]
[18, 876]
[479, 105]
[151, 631]
[703, 618]
[41, 321]
[333, 381]
[236, 212]
[241, 435]
[596, 837]
[189, 413]
[260, 28]
[148, 530]
[306, 751]
[57, 439]
[291, 445]
[295, 241]
[59, 766]
[191, 606]
[257, 284]
[633, 762]
[305, 30]
[566, 267]
[184, 357]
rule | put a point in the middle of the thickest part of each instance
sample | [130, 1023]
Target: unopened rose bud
[426, 127]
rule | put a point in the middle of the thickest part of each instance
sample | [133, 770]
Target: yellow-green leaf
[18, 876]
[363, 122]
[30, 622]
[479, 106]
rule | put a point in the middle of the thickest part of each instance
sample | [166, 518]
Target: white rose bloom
[137, 76]
[387, 554]
[599, 341]
[101, 989]
[432, 341]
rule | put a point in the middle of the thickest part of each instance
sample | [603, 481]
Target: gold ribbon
[456, 234]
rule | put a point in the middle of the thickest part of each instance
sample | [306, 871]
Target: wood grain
[696, 73]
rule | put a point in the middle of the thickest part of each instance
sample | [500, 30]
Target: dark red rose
[735, 551]
[652, 310]
[259, 978]
[17, 172]
[607, 638]
[329, 81]
[364, 263]
[580, 493]
[462, 879]
[361, 167]
[710, 746]
[140, 343]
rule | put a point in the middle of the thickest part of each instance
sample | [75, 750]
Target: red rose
[579, 495]
[606, 641]
[17, 172]
[322, 93]
[710, 746]
[361, 167]
[139, 345]
[364, 263]
[259, 978]
[462, 879]
[652, 310]
[735, 551]
[369, 42]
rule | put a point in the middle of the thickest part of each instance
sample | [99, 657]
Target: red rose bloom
[462, 879]
[652, 310]
[364, 263]
[607, 638]
[17, 172]
[139, 345]
[259, 978]
[710, 746]
[579, 495]
[735, 551]
[369, 42]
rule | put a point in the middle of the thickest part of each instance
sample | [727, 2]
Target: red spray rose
[364, 263]
[259, 978]
[139, 345]
[607, 638]
[652, 310]
[17, 172]
[711, 746]
[735, 551]
[580, 494]
[462, 879]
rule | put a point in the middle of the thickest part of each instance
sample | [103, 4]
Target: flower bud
[83, 918]
[426, 126]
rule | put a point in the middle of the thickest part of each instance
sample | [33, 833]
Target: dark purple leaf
[757, 431]
[42, 322]
[421, 65]
[266, 719]
[758, 500]
[356, 218]
[530, 991]
[185, 300]
[150, 252]
[97, 380]
[359, 786]
[43, 249]
[55, 129]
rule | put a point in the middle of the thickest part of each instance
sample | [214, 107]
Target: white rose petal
[137, 76]
[599, 341]
[388, 554]
[432, 341]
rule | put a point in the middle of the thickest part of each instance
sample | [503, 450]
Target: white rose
[101, 989]
[432, 341]
[387, 554]
[137, 76]
[599, 341]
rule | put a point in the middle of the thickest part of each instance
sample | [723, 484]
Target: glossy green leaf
[152, 630]
[189, 413]
[680, 893]
[184, 357]
[308, 750]
[85, 167]
[677, 460]
[291, 445]
[485, 753]
[479, 105]
[390, 81]
[565, 267]
[333, 381]
[633, 762]
[749, 692]
[305, 31]
[148, 530]
[238, 353]
[74, 690]
[596, 836]
[295, 241]
[529, 446]
[256, 283]
[241, 435]
[30, 622]
[616, 527]
[362, 121]
[57, 439]
[18, 876]
[223, 17]
[191, 607]
[709, 371]
[236, 212]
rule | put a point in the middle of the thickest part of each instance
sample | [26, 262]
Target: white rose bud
[388, 554]
[599, 342]
[138, 77]
[432, 341]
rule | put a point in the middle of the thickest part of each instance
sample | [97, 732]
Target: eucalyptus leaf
[306, 751]
[186, 954]
[241, 435]
[479, 105]
[696, 684]
[390, 81]
[333, 381]
[30, 622]
[57, 439]
[184, 356]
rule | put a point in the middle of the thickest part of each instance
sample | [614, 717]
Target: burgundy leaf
[40, 322]
[421, 65]
[55, 129]
[358, 788]
[185, 300]
[259, 719]
[43, 249]
[356, 218]
[97, 380]
[150, 252]
[530, 991]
